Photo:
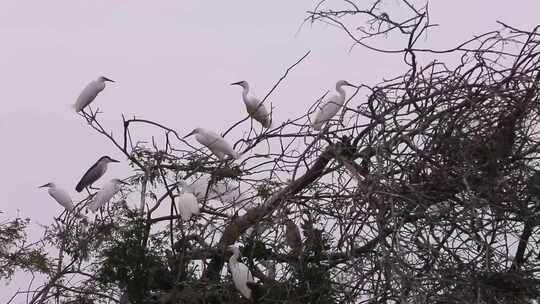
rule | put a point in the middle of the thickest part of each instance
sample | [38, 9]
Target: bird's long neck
[245, 91]
[234, 258]
[341, 92]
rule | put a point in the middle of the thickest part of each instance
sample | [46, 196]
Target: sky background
[173, 62]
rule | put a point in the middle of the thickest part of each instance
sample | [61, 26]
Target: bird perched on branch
[292, 236]
[90, 92]
[215, 142]
[254, 106]
[187, 202]
[105, 194]
[60, 195]
[95, 172]
[331, 105]
[240, 273]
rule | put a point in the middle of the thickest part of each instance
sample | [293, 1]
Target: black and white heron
[90, 92]
[60, 195]
[254, 105]
[331, 105]
[105, 194]
[240, 273]
[95, 172]
[215, 142]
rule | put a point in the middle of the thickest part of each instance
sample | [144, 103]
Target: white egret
[240, 273]
[254, 106]
[222, 190]
[60, 195]
[292, 235]
[90, 92]
[215, 142]
[331, 106]
[187, 203]
[95, 172]
[105, 194]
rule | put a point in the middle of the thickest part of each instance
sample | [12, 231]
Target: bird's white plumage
[240, 273]
[105, 194]
[292, 235]
[331, 106]
[187, 205]
[215, 143]
[223, 191]
[60, 195]
[89, 93]
[254, 106]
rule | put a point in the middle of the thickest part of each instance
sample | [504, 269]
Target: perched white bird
[331, 106]
[95, 172]
[222, 190]
[60, 195]
[240, 273]
[215, 142]
[105, 194]
[187, 203]
[90, 92]
[254, 106]
[292, 236]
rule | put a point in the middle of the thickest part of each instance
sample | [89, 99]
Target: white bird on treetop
[95, 172]
[240, 273]
[90, 92]
[292, 235]
[187, 202]
[60, 195]
[215, 142]
[223, 191]
[331, 106]
[254, 106]
[105, 194]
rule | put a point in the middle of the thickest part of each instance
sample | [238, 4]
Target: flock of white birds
[187, 200]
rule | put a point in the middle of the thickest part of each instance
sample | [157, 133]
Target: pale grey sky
[173, 62]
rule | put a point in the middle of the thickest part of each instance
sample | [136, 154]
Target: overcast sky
[173, 62]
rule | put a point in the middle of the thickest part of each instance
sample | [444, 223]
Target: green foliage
[264, 191]
[128, 264]
[15, 253]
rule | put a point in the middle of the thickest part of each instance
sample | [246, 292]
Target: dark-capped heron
[95, 172]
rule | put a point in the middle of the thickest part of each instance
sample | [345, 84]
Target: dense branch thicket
[425, 189]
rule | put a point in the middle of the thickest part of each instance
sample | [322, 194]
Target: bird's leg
[92, 115]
